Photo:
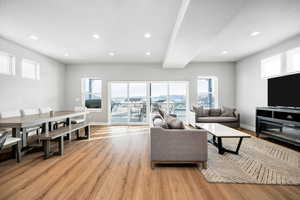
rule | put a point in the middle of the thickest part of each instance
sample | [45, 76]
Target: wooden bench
[59, 134]
[15, 143]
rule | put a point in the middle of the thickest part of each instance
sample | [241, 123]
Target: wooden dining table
[18, 124]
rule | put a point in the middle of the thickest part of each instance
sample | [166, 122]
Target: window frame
[12, 63]
[83, 93]
[214, 92]
[36, 69]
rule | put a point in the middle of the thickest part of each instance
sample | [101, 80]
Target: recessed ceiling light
[33, 37]
[66, 54]
[96, 36]
[224, 52]
[147, 35]
[255, 33]
[111, 53]
[148, 53]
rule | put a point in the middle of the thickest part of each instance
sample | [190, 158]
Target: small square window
[30, 69]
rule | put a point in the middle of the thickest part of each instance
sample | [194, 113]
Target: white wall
[17, 93]
[116, 72]
[251, 89]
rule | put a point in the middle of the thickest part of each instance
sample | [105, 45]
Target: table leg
[18, 146]
[87, 131]
[239, 145]
[46, 144]
[68, 122]
[61, 145]
[220, 146]
[24, 137]
[18, 151]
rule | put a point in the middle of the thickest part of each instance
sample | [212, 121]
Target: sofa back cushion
[215, 112]
[227, 112]
[200, 111]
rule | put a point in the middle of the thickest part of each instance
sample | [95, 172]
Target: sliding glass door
[170, 97]
[128, 102]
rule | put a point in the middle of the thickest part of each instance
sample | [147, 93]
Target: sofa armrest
[237, 114]
[178, 144]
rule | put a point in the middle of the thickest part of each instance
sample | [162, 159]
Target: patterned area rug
[258, 162]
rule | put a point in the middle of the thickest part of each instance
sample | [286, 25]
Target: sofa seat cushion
[216, 119]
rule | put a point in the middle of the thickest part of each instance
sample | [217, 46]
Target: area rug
[258, 162]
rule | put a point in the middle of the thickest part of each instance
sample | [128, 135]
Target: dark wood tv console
[279, 123]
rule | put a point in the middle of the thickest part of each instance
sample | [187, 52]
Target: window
[207, 92]
[7, 64]
[171, 97]
[128, 102]
[30, 69]
[271, 66]
[92, 93]
[293, 60]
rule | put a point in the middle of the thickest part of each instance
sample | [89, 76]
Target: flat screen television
[284, 91]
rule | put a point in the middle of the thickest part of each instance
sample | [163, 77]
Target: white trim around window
[7, 64]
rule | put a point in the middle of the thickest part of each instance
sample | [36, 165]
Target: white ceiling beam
[197, 25]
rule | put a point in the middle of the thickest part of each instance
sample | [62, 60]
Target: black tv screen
[284, 91]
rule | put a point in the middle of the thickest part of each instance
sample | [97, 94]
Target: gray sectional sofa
[226, 116]
[181, 145]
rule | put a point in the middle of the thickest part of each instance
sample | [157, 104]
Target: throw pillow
[175, 124]
[161, 112]
[227, 112]
[158, 122]
[155, 117]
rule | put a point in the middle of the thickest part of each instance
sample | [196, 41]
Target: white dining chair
[8, 114]
[33, 130]
[79, 119]
[45, 110]
[25, 112]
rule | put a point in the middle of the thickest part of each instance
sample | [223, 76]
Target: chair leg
[61, 145]
[18, 152]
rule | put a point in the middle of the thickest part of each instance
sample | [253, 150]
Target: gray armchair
[178, 146]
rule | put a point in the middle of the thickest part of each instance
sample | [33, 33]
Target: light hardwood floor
[114, 164]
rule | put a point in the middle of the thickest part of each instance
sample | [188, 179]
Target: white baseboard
[248, 127]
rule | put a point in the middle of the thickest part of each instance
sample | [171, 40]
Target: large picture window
[170, 96]
[207, 88]
[7, 64]
[92, 93]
